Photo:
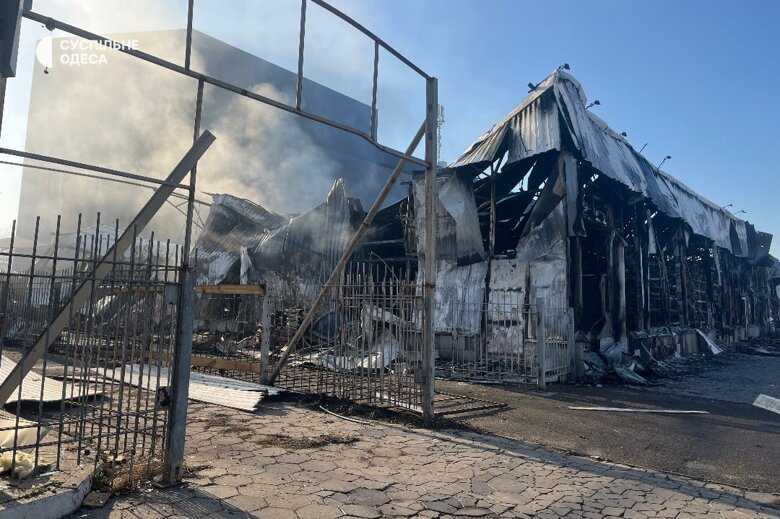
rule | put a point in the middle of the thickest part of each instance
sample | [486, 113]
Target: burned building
[550, 207]
[552, 203]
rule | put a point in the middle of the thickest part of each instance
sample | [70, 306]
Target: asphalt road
[735, 444]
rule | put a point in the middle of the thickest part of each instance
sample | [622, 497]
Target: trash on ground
[96, 499]
[714, 348]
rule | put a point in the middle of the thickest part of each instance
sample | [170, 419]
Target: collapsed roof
[554, 117]
[243, 242]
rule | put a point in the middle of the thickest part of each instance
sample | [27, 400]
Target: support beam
[571, 345]
[346, 255]
[620, 265]
[575, 274]
[541, 344]
[640, 273]
[569, 172]
[682, 255]
[492, 242]
[173, 465]
[679, 292]
[103, 268]
[567, 169]
[429, 244]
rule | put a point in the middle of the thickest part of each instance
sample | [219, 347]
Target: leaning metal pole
[103, 268]
[346, 255]
[429, 246]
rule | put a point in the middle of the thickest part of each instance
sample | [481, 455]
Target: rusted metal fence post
[429, 244]
[180, 382]
[541, 343]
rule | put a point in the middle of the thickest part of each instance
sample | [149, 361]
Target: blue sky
[698, 80]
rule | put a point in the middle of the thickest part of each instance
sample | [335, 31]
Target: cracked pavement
[288, 461]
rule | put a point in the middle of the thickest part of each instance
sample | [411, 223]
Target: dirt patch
[126, 477]
[302, 442]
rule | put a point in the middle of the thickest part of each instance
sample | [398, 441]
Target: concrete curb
[52, 506]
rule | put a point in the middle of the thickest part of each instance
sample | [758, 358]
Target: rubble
[768, 345]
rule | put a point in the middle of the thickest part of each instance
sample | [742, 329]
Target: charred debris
[549, 203]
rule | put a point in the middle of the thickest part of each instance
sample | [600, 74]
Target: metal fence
[114, 357]
[99, 392]
[498, 340]
[366, 345]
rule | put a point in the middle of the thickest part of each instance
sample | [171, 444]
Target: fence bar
[350, 248]
[301, 42]
[371, 35]
[541, 343]
[188, 43]
[429, 244]
[374, 87]
[103, 267]
[99, 169]
[57, 24]
[265, 344]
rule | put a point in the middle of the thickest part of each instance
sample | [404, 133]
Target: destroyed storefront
[550, 207]
[641, 258]
[553, 205]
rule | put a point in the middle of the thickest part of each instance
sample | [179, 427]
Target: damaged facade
[641, 258]
[549, 205]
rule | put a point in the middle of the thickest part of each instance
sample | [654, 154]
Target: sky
[697, 80]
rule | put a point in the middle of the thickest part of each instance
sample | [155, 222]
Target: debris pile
[767, 345]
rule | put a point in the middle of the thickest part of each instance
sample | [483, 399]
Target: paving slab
[381, 469]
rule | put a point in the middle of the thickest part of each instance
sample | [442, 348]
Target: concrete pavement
[296, 462]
